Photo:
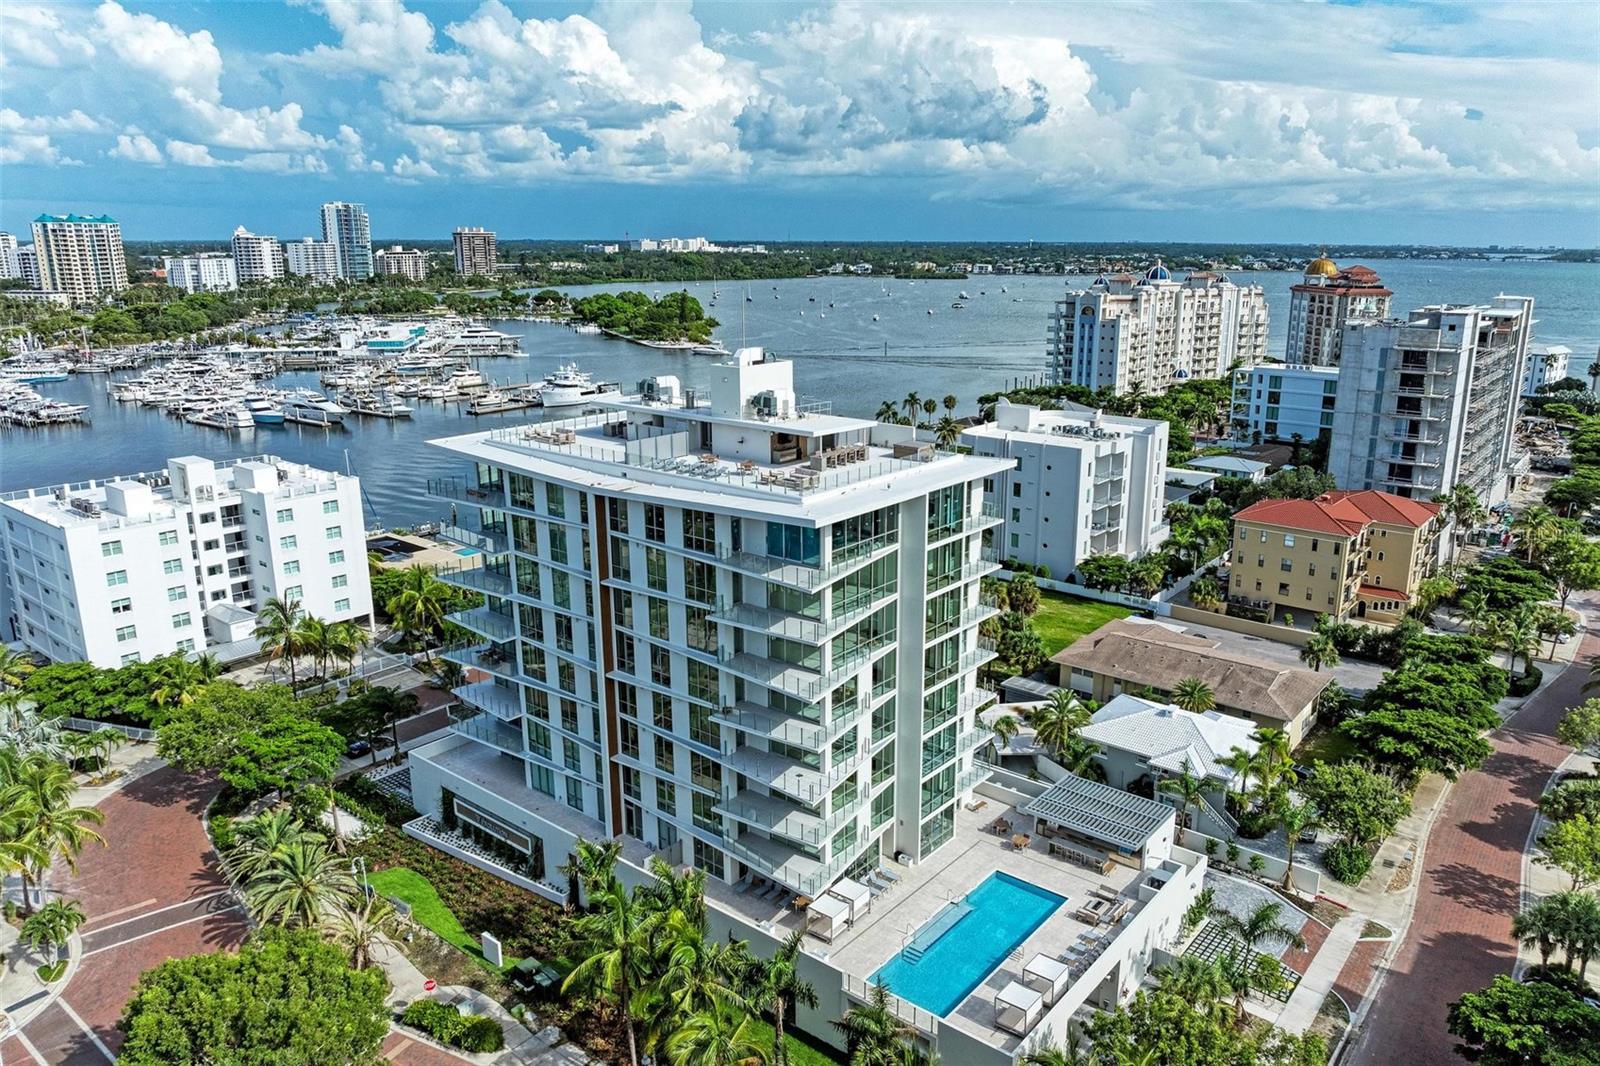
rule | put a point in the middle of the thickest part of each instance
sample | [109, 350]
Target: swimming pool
[466, 551]
[964, 942]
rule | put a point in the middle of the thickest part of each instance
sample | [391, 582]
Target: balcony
[969, 779]
[982, 653]
[799, 681]
[464, 490]
[486, 656]
[801, 575]
[765, 722]
[780, 774]
[778, 817]
[978, 697]
[773, 623]
[502, 702]
[798, 872]
[483, 579]
[490, 540]
[987, 518]
[488, 728]
[486, 622]
[986, 563]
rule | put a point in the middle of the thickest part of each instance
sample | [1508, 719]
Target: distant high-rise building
[1547, 364]
[80, 255]
[1124, 332]
[475, 252]
[1323, 302]
[9, 267]
[1430, 402]
[314, 259]
[204, 272]
[406, 262]
[345, 226]
[28, 266]
[256, 258]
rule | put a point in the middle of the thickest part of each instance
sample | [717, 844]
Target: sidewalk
[1318, 980]
[1539, 880]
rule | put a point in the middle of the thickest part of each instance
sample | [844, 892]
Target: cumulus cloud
[136, 148]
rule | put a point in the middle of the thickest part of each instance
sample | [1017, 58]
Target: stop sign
[429, 985]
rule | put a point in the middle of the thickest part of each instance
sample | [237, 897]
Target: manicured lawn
[1325, 745]
[427, 908]
[1063, 619]
[800, 1053]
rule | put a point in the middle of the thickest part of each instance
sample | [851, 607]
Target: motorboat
[226, 416]
[569, 387]
[495, 401]
[312, 409]
[713, 348]
[466, 379]
[264, 412]
[375, 404]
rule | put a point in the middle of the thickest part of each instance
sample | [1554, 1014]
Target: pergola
[1017, 1008]
[856, 894]
[1048, 976]
[826, 916]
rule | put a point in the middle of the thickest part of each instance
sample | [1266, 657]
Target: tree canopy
[285, 999]
[1419, 740]
[1538, 1023]
[1361, 805]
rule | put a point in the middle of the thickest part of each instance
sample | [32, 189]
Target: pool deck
[972, 854]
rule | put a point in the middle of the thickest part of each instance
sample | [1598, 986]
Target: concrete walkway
[1317, 981]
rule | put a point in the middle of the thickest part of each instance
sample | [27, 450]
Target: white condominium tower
[1431, 401]
[405, 262]
[1326, 298]
[132, 567]
[314, 259]
[345, 227]
[725, 626]
[1125, 332]
[256, 258]
[80, 255]
[9, 267]
[475, 252]
[202, 272]
[1077, 483]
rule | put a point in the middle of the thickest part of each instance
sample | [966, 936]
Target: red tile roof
[1314, 516]
[1388, 508]
[1341, 513]
[1379, 592]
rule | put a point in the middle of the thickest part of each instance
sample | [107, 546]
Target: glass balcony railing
[490, 540]
[485, 621]
[465, 490]
[484, 579]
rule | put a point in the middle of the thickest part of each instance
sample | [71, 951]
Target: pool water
[964, 942]
[466, 551]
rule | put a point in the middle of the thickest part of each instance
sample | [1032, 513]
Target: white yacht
[225, 416]
[312, 409]
[569, 387]
[264, 412]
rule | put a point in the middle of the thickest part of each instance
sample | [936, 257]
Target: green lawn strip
[1062, 619]
[1326, 745]
[428, 909]
[801, 1053]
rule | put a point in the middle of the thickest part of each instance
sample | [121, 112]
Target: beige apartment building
[1346, 554]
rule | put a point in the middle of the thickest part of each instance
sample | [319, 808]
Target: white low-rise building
[1275, 402]
[202, 272]
[129, 568]
[1547, 364]
[314, 259]
[406, 262]
[1077, 483]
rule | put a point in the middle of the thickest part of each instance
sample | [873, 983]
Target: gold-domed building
[1322, 267]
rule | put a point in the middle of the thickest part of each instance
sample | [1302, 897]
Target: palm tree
[947, 433]
[1196, 980]
[1205, 593]
[950, 401]
[887, 412]
[1070, 1054]
[718, 1036]
[1189, 790]
[1059, 719]
[1518, 635]
[1295, 818]
[873, 1033]
[302, 884]
[311, 636]
[1534, 530]
[672, 892]
[1320, 651]
[1474, 607]
[929, 407]
[181, 682]
[1147, 575]
[15, 666]
[590, 869]
[45, 824]
[617, 938]
[911, 405]
[1242, 763]
[1432, 591]
[1583, 932]
[1553, 623]
[261, 842]
[1195, 695]
[778, 984]
[418, 607]
[1005, 728]
[276, 629]
[358, 928]
[51, 926]
[1464, 509]
[1544, 925]
[693, 973]
[1249, 933]
[345, 641]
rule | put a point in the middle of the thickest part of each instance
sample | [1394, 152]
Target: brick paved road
[1460, 934]
[152, 893]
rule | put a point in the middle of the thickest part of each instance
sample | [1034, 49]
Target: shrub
[222, 832]
[1347, 862]
[1255, 824]
[1233, 853]
[369, 798]
[1211, 847]
[1258, 864]
[449, 1026]
[1523, 684]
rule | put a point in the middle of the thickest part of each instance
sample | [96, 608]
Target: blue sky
[1290, 121]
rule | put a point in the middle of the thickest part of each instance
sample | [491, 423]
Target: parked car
[357, 748]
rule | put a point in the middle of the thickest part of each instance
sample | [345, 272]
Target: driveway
[1460, 933]
[153, 893]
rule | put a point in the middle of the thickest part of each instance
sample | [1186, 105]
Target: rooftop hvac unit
[649, 389]
[765, 403]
